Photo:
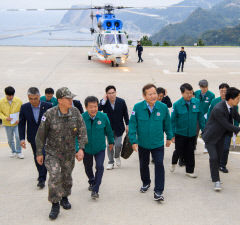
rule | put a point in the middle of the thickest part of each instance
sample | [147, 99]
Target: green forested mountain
[225, 36]
[224, 14]
[144, 20]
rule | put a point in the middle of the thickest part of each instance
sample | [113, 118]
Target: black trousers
[224, 158]
[140, 57]
[196, 138]
[96, 179]
[42, 171]
[215, 152]
[181, 63]
[144, 158]
[185, 149]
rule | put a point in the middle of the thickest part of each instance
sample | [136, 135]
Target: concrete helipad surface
[187, 201]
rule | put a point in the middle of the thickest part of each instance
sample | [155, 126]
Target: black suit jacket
[117, 115]
[166, 100]
[26, 117]
[218, 124]
[78, 105]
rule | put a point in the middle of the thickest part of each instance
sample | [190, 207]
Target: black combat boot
[54, 211]
[65, 203]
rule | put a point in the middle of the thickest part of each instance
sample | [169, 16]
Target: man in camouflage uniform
[57, 132]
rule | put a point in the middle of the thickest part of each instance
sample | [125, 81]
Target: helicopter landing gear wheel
[89, 57]
[112, 64]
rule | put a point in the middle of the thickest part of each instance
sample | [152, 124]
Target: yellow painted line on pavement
[3, 144]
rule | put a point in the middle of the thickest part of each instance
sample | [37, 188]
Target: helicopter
[110, 41]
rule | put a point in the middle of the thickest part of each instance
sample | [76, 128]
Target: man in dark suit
[117, 111]
[163, 97]
[30, 115]
[78, 105]
[139, 49]
[182, 56]
[218, 126]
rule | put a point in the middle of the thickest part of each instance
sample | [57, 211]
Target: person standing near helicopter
[139, 49]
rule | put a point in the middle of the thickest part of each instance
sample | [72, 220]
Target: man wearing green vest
[186, 114]
[205, 97]
[227, 141]
[149, 120]
[48, 97]
[98, 127]
[222, 90]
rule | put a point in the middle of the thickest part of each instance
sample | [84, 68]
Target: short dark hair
[182, 47]
[90, 99]
[223, 85]
[148, 86]
[232, 93]
[186, 86]
[9, 91]
[161, 90]
[49, 91]
[203, 83]
[109, 88]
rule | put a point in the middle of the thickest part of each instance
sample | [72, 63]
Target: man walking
[139, 50]
[163, 97]
[218, 126]
[117, 112]
[205, 97]
[48, 97]
[9, 113]
[30, 116]
[58, 130]
[224, 159]
[149, 120]
[98, 128]
[186, 114]
[182, 56]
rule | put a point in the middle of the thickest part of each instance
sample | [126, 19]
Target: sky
[69, 3]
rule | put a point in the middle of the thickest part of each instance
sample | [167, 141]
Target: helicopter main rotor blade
[50, 9]
[98, 8]
[65, 9]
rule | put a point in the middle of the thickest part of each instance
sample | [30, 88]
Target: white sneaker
[172, 168]
[217, 186]
[110, 166]
[12, 155]
[192, 175]
[205, 151]
[118, 162]
[20, 156]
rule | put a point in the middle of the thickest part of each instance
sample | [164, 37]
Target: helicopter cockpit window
[109, 39]
[99, 40]
[121, 39]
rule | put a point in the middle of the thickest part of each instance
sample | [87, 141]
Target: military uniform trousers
[185, 149]
[60, 167]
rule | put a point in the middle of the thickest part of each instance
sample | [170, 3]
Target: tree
[157, 44]
[200, 42]
[165, 43]
[130, 42]
[145, 41]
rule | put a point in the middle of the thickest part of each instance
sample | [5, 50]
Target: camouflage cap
[64, 92]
